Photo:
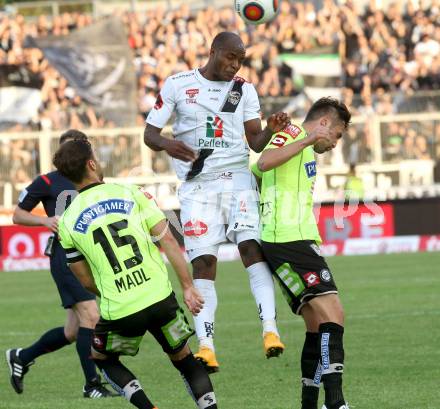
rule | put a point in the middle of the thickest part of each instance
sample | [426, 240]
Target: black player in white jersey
[217, 120]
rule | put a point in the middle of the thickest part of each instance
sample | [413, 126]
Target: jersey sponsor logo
[131, 280]
[234, 97]
[279, 141]
[310, 169]
[195, 229]
[325, 275]
[226, 176]
[87, 216]
[214, 134]
[312, 279]
[292, 130]
[214, 90]
[189, 74]
[159, 102]
[191, 94]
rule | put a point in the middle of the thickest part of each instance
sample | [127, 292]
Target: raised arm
[257, 137]
[272, 158]
[191, 296]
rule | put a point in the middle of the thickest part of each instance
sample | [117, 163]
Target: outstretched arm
[272, 158]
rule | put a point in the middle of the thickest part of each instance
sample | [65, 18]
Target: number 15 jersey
[109, 226]
[209, 119]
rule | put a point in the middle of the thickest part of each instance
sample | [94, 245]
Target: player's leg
[310, 360]
[331, 330]
[171, 329]
[195, 377]
[204, 229]
[19, 359]
[86, 316]
[243, 229]
[262, 287]
[204, 272]
[122, 337]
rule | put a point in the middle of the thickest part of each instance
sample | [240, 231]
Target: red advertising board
[339, 222]
[22, 248]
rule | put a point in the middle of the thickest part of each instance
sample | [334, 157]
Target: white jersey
[209, 119]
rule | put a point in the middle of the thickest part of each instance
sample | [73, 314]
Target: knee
[250, 252]
[204, 267]
[89, 316]
[70, 334]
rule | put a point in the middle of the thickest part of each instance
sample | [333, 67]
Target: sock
[83, 347]
[310, 371]
[51, 341]
[204, 322]
[332, 362]
[260, 279]
[197, 382]
[124, 382]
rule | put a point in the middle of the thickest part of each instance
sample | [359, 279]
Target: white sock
[204, 321]
[260, 279]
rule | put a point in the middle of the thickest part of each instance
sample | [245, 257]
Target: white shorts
[215, 211]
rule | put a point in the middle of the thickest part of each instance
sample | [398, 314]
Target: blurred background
[60, 68]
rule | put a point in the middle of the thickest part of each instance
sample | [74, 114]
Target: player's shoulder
[183, 75]
[293, 130]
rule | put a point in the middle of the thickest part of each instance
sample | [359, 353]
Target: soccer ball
[257, 11]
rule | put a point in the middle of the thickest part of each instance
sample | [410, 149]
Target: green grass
[392, 342]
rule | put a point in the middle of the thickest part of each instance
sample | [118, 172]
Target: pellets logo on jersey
[214, 127]
[159, 102]
[191, 93]
[311, 279]
[195, 229]
[310, 169]
[279, 141]
[87, 216]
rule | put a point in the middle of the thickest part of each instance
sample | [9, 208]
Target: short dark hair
[73, 134]
[327, 105]
[71, 159]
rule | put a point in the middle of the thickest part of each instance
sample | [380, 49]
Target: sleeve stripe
[73, 255]
[71, 250]
[72, 260]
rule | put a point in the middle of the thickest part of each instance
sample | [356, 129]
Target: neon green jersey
[286, 192]
[109, 225]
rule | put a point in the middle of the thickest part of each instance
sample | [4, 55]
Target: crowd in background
[387, 56]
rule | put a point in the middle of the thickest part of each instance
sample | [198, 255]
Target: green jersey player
[108, 233]
[290, 242]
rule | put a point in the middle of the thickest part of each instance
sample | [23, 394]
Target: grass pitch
[392, 339]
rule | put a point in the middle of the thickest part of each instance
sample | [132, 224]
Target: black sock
[124, 382]
[197, 381]
[52, 340]
[311, 378]
[83, 347]
[332, 361]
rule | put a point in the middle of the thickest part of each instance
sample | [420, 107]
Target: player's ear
[324, 121]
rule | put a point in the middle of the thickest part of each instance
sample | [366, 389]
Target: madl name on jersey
[131, 280]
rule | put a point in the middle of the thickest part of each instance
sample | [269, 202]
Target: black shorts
[165, 320]
[70, 289]
[300, 270]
